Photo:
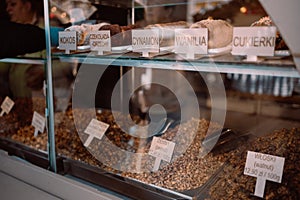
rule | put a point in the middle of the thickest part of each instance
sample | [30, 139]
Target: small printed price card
[67, 41]
[100, 41]
[161, 149]
[6, 106]
[38, 122]
[254, 41]
[145, 41]
[191, 42]
[95, 129]
[263, 167]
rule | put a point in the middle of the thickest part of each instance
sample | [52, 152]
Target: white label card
[100, 41]
[254, 41]
[67, 41]
[95, 129]
[263, 167]
[145, 41]
[6, 106]
[191, 41]
[161, 149]
[38, 122]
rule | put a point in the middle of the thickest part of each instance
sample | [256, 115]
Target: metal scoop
[222, 141]
[154, 129]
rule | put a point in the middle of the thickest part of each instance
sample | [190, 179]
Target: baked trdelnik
[121, 35]
[219, 32]
[166, 31]
[82, 32]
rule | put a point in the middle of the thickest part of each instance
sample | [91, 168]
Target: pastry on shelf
[171, 25]
[121, 35]
[220, 32]
[82, 32]
[166, 33]
[267, 21]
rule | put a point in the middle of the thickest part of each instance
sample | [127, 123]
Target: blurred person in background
[13, 43]
[26, 78]
[13, 32]
[12, 36]
[25, 12]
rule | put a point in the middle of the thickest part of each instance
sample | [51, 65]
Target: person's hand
[35, 77]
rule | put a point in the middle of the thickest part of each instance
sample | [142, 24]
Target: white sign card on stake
[145, 41]
[264, 167]
[95, 129]
[191, 42]
[100, 41]
[38, 122]
[67, 41]
[254, 41]
[161, 149]
[6, 106]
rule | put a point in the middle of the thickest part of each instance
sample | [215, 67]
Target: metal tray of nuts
[93, 174]
[128, 186]
[231, 183]
[115, 182]
[34, 156]
[189, 171]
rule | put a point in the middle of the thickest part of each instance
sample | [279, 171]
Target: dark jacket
[18, 39]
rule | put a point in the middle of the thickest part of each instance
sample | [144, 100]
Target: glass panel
[23, 84]
[163, 126]
[128, 112]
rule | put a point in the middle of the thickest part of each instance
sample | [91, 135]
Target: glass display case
[159, 122]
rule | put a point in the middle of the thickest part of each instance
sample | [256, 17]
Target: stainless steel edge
[24, 60]
[234, 68]
[49, 112]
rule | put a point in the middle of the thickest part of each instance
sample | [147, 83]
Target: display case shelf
[220, 64]
[20, 60]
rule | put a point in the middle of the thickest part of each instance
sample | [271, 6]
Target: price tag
[162, 150]
[67, 41]
[191, 42]
[145, 41]
[263, 167]
[100, 41]
[95, 129]
[254, 41]
[6, 106]
[38, 122]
